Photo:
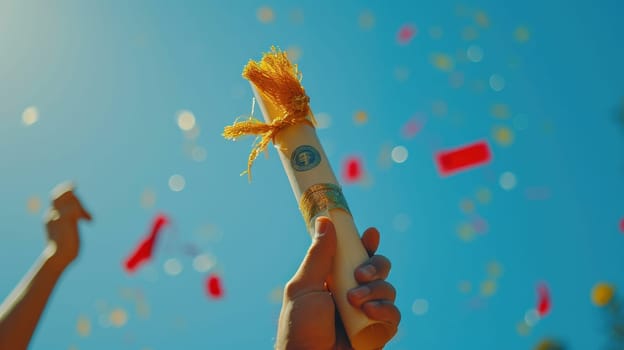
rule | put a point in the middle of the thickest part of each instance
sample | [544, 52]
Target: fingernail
[321, 227]
[360, 292]
[368, 271]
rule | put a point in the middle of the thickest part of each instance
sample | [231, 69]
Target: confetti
[294, 53]
[420, 307]
[522, 34]
[602, 294]
[399, 154]
[172, 267]
[366, 20]
[352, 170]
[523, 329]
[177, 183]
[411, 128]
[360, 117]
[406, 34]
[463, 158]
[479, 225]
[265, 14]
[469, 34]
[482, 19]
[148, 198]
[465, 287]
[494, 269]
[622, 225]
[214, 287]
[500, 110]
[484, 195]
[466, 232]
[204, 262]
[543, 300]
[83, 326]
[30, 115]
[497, 82]
[503, 135]
[474, 53]
[466, 206]
[488, 288]
[442, 62]
[384, 161]
[507, 181]
[532, 317]
[118, 317]
[186, 120]
[33, 205]
[144, 249]
[549, 344]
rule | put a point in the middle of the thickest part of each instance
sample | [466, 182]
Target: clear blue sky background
[108, 78]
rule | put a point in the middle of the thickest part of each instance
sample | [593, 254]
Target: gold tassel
[279, 82]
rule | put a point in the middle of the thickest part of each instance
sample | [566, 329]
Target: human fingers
[370, 240]
[382, 310]
[376, 290]
[375, 268]
[65, 201]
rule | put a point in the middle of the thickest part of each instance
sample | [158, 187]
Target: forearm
[22, 309]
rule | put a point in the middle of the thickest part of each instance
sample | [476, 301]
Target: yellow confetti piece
[503, 135]
[294, 53]
[522, 34]
[466, 232]
[482, 19]
[148, 198]
[30, 115]
[442, 62]
[484, 195]
[276, 294]
[488, 288]
[500, 110]
[366, 20]
[494, 269]
[265, 14]
[118, 317]
[602, 294]
[523, 329]
[470, 34]
[467, 206]
[360, 117]
[83, 326]
[465, 287]
[33, 205]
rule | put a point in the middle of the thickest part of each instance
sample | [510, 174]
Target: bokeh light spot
[500, 110]
[503, 135]
[148, 198]
[83, 326]
[602, 294]
[177, 183]
[488, 288]
[33, 205]
[360, 117]
[265, 14]
[366, 20]
[173, 267]
[186, 120]
[474, 53]
[204, 262]
[484, 195]
[507, 181]
[497, 82]
[118, 317]
[442, 62]
[420, 307]
[522, 34]
[399, 154]
[30, 115]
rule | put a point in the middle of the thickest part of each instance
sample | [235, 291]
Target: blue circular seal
[305, 158]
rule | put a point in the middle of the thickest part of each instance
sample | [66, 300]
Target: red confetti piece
[143, 251]
[622, 225]
[543, 300]
[352, 170]
[455, 160]
[214, 286]
[406, 34]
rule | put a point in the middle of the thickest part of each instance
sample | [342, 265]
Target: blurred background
[129, 100]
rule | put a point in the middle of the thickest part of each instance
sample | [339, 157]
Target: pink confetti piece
[143, 251]
[214, 287]
[406, 33]
[543, 300]
[411, 128]
[352, 170]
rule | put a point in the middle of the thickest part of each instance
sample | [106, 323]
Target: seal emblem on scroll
[305, 158]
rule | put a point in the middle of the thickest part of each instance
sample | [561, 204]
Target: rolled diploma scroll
[308, 169]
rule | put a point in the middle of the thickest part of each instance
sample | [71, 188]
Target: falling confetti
[549, 344]
[442, 62]
[83, 326]
[466, 232]
[522, 34]
[294, 53]
[411, 128]
[543, 300]
[384, 161]
[360, 117]
[523, 329]
[144, 249]
[507, 181]
[30, 116]
[352, 170]
[474, 53]
[118, 317]
[148, 198]
[204, 262]
[469, 34]
[465, 287]
[172, 267]
[420, 307]
[467, 206]
[177, 183]
[602, 294]
[406, 34]
[399, 154]
[366, 20]
[497, 82]
[33, 205]
[214, 286]
[484, 195]
[479, 225]
[503, 135]
[622, 225]
[500, 110]
[482, 19]
[186, 120]
[488, 288]
[265, 15]
[532, 317]
[463, 158]
[494, 269]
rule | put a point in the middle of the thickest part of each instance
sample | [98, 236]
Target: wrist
[52, 257]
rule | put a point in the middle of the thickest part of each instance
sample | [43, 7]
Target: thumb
[317, 264]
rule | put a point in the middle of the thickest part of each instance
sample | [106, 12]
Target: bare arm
[22, 309]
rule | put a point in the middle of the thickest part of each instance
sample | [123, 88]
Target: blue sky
[108, 80]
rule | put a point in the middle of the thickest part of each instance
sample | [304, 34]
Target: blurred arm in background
[22, 309]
